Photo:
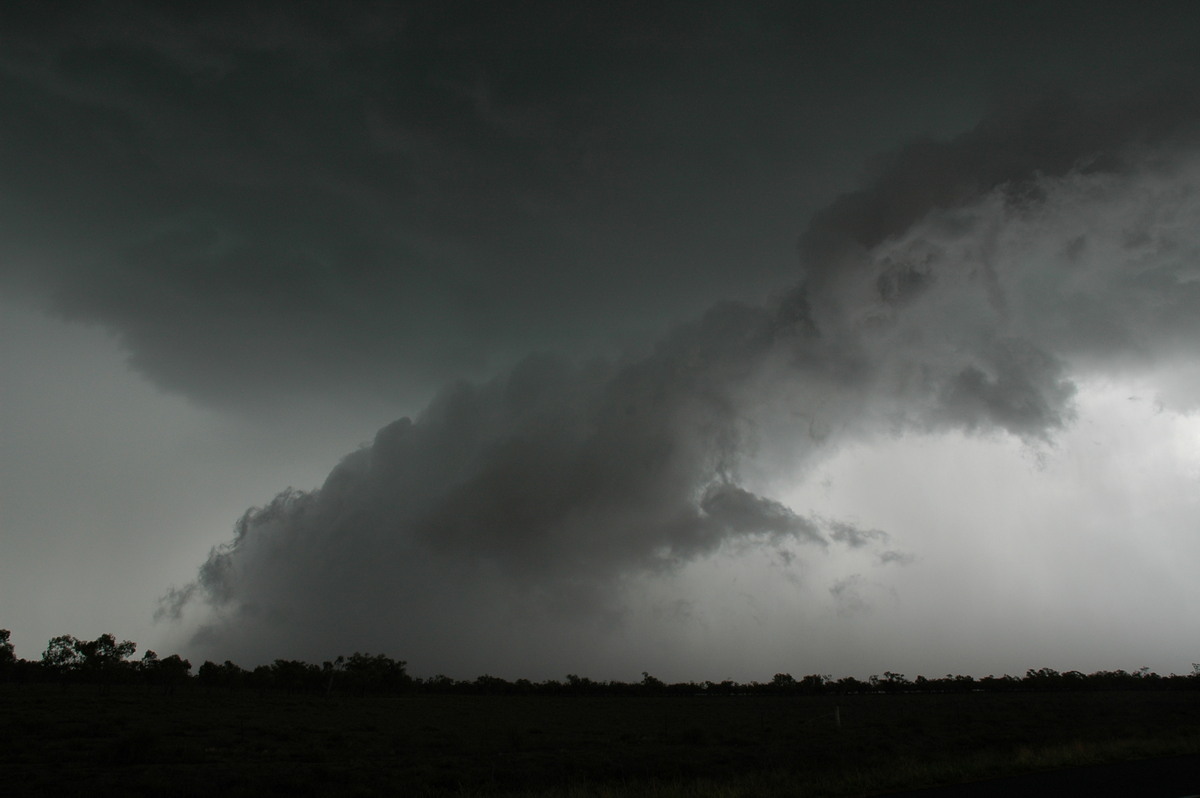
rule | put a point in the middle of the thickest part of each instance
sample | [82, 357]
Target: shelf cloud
[967, 286]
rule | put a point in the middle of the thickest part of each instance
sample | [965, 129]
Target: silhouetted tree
[814, 683]
[375, 673]
[582, 685]
[999, 684]
[783, 683]
[651, 684]
[441, 683]
[492, 685]
[209, 674]
[294, 675]
[227, 675]
[1042, 679]
[8, 658]
[104, 658]
[62, 656]
[331, 669]
[173, 671]
[848, 684]
[261, 678]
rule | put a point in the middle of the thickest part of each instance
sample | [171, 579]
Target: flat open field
[198, 741]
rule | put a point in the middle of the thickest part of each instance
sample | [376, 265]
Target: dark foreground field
[196, 741]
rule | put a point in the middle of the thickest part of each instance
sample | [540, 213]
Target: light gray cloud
[847, 595]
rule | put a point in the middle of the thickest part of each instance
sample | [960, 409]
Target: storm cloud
[586, 281]
[971, 300]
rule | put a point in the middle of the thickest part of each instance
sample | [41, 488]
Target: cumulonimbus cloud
[966, 288]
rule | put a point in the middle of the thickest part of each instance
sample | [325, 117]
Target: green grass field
[79, 740]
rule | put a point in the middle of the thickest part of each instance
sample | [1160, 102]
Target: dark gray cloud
[267, 202]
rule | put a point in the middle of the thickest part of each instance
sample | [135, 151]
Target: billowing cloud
[967, 288]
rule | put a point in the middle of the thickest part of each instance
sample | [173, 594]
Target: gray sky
[725, 340]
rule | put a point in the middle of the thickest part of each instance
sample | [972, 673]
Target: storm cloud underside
[968, 287]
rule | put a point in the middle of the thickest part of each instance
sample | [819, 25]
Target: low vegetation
[89, 717]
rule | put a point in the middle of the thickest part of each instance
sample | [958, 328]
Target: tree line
[106, 662]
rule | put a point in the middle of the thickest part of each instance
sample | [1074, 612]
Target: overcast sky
[712, 340]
